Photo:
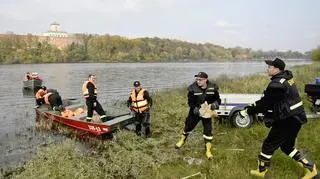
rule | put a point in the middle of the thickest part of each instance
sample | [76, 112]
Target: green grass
[128, 156]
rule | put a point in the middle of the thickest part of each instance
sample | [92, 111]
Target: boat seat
[73, 106]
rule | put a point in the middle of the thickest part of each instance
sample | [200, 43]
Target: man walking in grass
[284, 113]
[140, 104]
[201, 93]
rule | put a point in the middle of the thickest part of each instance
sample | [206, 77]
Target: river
[18, 137]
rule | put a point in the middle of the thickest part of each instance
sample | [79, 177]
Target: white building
[55, 31]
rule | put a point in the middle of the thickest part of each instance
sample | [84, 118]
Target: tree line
[107, 48]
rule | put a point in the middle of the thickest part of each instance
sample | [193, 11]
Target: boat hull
[32, 84]
[116, 119]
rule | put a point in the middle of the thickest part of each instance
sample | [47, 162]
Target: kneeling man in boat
[89, 91]
[39, 96]
[54, 100]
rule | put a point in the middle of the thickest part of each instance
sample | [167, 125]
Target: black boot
[138, 129]
[147, 132]
[104, 118]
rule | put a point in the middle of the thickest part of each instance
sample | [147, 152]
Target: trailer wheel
[239, 122]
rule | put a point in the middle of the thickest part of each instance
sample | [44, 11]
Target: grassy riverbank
[128, 156]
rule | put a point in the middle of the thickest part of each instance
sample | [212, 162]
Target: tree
[315, 54]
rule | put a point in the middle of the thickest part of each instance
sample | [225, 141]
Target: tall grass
[128, 156]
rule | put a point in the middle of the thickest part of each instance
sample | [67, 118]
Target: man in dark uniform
[199, 92]
[284, 113]
[89, 91]
[140, 103]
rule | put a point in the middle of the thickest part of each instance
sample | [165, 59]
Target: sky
[258, 24]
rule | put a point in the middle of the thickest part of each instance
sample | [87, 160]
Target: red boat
[118, 117]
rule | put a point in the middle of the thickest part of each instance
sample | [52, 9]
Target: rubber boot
[147, 132]
[88, 119]
[263, 164]
[138, 129]
[310, 168]
[208, 150]
[103, 118]
[56, 108]
[181, 141]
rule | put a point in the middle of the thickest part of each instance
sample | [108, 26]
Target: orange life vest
[139, 104]
[85, 91]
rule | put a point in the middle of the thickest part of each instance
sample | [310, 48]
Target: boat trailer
[231, 104]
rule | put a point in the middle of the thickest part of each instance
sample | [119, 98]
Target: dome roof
[55, 23]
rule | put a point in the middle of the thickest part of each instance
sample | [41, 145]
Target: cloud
[231, 32]
[221, 23]
[312, 35]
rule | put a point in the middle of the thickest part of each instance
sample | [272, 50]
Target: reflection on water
[18, 136]
[26, 92]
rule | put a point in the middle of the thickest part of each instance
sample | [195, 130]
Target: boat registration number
[94, 128]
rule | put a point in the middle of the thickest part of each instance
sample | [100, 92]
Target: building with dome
[55, 31]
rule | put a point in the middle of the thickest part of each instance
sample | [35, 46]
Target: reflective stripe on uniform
[291, 107]
[296, 105]
[186, 132]
[210, 92]
[265, 155]
[282, 80]
[208, 137]
[293, 153]
[197, 94]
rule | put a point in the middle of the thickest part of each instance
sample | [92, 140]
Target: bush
[315, 54]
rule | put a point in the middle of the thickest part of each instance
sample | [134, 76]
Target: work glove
[214, 106]
[250, 109]
[268, 122]
[196, 111]
[243, 113]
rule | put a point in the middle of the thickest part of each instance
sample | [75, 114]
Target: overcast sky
[257, 24]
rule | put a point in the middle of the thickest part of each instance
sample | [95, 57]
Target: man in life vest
[40, 96]
[54, 100]
[89, 91]
[202, 92]
[28, 76]
[140, 103]
[284, 114]
[35, 75]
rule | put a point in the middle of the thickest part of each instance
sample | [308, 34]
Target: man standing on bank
[140, 103]
[89, 91]
[284, 113]
[202, 91]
